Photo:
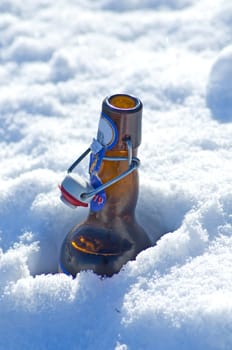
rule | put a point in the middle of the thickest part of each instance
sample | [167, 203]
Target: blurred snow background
[58, 60]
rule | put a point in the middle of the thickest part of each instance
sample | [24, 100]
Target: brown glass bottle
[110, 236]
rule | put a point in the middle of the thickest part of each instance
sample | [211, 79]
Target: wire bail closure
[77, 192]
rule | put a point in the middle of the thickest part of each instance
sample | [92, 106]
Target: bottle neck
[121, 197]
[120, 121]
[124, 122]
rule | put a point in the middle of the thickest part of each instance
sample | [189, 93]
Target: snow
[58, 62]
[219, 98]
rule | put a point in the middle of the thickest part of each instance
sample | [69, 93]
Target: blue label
[99, 200]
[96, 161]
[107, 137]
[107, 132]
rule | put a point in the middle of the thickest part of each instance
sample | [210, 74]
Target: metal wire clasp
[83, 198]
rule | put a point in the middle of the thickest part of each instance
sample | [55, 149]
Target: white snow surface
[59, 59]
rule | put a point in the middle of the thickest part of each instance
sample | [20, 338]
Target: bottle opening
[123, 101]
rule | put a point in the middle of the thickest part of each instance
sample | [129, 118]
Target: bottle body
[110, 236]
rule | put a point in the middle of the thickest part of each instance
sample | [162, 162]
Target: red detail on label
[72, 200]
[97, 198]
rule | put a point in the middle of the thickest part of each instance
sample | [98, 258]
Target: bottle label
[107, 132]
[107, 137]
[99, 200]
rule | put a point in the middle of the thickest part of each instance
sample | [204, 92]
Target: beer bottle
[110, 236]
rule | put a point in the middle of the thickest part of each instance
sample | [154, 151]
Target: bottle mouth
[123, 102]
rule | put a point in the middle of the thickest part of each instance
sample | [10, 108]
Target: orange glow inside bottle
[110, 236]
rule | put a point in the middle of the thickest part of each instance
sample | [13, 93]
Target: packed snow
[59, 60]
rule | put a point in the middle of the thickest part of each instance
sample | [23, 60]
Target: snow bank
[219, 95]
[147, 4]
[58, 61]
